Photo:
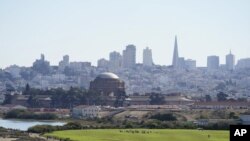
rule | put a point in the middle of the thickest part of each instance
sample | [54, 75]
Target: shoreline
[24, 124]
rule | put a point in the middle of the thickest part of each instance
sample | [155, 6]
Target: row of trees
[61, 98]
[24, 114]
[221, 96]
[67, 98]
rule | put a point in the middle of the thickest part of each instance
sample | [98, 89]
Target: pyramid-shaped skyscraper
[175, 55]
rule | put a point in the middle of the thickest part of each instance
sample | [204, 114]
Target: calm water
[25, 124]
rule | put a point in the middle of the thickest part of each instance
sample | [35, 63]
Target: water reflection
[25, 124]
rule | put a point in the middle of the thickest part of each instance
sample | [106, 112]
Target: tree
[232, 115]
[222, 96]
[33, 101]
[9, 87]
[27, 89]
[208, 98]
[164, 117]
[72, 98]
[120, 98]
[8, 99]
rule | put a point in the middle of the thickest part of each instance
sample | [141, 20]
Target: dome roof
[108, 75]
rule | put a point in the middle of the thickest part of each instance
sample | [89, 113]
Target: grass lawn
[150, 135]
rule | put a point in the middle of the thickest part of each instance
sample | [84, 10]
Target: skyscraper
[175, 55]
[213, 62]
[147, 57]
[115, 60]
[64, 63]
[230, 61]
[129, 56]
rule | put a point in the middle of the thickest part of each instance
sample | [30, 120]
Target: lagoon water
[25, 124]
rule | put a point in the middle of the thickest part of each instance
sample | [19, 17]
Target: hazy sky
[87, 30]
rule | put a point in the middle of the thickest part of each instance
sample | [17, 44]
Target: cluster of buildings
[183, 76]
[213, 62]
[128, 60]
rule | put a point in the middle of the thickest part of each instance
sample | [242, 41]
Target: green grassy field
[150, 135]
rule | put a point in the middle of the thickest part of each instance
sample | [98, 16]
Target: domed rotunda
[107, 83]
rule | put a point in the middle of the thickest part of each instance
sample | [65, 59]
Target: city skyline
[90, 30]
[175, 59]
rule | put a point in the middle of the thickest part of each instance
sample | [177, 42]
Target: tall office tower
[64, 63]
[213, 62]
[230, 61]
[147, 57]
[129, 56]
[175, 55]
[115, 60]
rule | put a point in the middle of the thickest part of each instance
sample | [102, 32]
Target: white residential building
[85, 111]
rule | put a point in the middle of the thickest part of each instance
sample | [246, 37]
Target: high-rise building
[41, 65]
[147, 57]
[181, 63]
[243, 63]
[230, 61]
[115, 60]
[64, 63]
[175, 55]
[213, 62]
[129, 56]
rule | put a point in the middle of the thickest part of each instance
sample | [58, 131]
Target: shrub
[24, 114]
[42, 129]
[164, 117]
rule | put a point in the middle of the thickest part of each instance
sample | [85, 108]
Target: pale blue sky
[89, 29]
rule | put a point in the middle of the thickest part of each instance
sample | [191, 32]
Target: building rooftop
[108, 75]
